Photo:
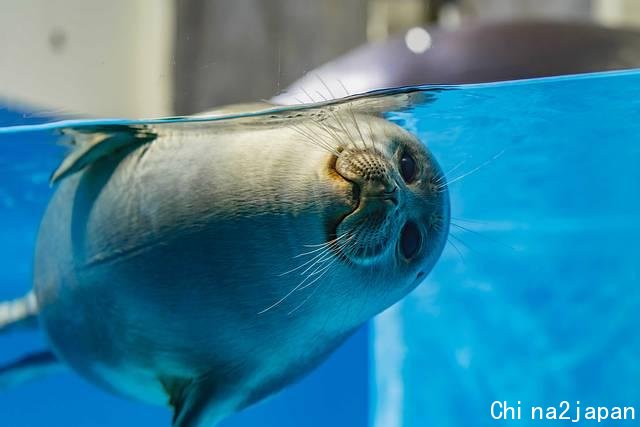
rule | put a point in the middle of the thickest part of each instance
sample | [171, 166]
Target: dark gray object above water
[475, 53]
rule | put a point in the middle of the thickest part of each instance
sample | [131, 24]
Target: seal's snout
[378, 194]
[362, 166]
[369, 171]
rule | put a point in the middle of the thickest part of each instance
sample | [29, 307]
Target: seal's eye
[408, 167]
[410, 240]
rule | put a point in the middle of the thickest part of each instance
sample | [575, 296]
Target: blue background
[536, 298]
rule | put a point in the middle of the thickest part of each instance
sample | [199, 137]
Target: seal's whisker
[473, 221]
[308, 296]
[306, 136]
[385, 132]
[342, 125]
[323, 246]
[373, 141]
[446, 174]
[335, 126]
[455, 247]
[312, 261]
[313, 140]
[303, 282]
[477, 233]
[346, 91]
[327, 254]
[319, 246]
[356, 125]
[350, 108]
[281, 300]
[311, 137]
[326, 86]
[327, 243]
[320, 271]
[324, 251]
[347, 243]
[465, 244]
[324, 98]
[349, 105]
[344, 128]
[330, 132]
[291, 292]
[313, 101]
[341, 244]
[334, 148]
[349, 250]
[474, 170]
[437, 227]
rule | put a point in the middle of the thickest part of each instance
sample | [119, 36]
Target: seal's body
[208, 266]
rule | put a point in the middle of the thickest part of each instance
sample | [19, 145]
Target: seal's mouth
[354, 201]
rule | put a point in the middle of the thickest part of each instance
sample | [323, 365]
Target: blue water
[534, 298]
[540, 301]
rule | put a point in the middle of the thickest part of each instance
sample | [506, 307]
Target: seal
[208, 265]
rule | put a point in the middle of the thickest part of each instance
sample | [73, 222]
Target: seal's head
[394, 218]
[401, 219]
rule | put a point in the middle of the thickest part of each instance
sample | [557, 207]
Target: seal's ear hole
[410, 240]
[420, 275]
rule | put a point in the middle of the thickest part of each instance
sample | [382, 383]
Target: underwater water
[537, 296]
[534, 299]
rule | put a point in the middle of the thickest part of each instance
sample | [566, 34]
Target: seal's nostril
[392, 195]
[390, 188]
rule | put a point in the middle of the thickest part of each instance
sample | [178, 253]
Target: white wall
[617, 12]
[92, 57]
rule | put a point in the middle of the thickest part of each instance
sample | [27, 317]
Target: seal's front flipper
[91, 143]
[21, 313]
[28, 368]
[197, 402]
